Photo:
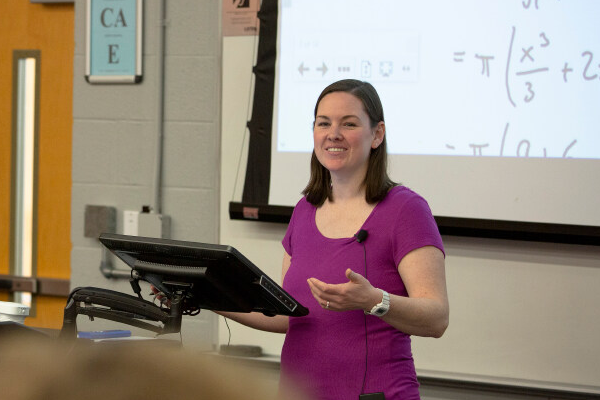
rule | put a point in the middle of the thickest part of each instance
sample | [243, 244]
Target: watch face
[380, 311]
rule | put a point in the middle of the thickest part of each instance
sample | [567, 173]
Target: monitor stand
[120, 307]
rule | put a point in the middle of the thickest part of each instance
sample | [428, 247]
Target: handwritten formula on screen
[534, 64]
[512, 78]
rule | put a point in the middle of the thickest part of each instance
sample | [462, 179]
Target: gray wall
[115, 139]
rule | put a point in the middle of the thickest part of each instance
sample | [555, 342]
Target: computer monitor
[205, 276]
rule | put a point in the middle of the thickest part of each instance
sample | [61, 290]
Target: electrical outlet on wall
[131, 222]
[154, 225]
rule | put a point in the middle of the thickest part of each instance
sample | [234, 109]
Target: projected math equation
[512, 78]
[589, 71]
[530, 69]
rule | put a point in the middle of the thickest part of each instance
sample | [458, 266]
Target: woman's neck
[345, 190]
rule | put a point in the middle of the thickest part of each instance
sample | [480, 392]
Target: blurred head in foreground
[48, 370]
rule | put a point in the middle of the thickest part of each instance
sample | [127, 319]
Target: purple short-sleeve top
[328, 352]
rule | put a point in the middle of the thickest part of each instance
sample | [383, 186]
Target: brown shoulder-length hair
[377, 182]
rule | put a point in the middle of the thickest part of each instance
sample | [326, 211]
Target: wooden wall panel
[48, 28]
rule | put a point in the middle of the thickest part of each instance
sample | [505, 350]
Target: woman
[357, 244]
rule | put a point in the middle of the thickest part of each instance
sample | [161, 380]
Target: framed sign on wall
[114, 41]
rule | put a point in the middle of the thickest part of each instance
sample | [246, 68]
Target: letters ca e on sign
[114, 41]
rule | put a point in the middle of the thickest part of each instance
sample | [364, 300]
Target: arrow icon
[302, 68]
[323, 69]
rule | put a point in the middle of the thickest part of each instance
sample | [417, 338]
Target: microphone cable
[362, 391]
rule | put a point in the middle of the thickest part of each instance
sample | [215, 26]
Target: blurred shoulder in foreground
[53, 370]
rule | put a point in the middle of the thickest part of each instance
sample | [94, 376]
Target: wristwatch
[379, 310]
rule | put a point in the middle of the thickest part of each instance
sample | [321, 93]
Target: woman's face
[343, 136]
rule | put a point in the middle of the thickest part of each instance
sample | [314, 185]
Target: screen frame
[255, 198]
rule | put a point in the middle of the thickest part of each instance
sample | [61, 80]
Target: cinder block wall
[115, 139]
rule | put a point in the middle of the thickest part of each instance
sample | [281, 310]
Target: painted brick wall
[115, 139]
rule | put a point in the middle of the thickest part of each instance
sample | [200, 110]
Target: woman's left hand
[356, 294]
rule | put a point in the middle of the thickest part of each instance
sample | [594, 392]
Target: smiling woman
[357, 107]
[404, 292]
[353, 218]
[343, 142]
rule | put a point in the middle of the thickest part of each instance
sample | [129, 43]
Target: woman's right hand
[160, 296]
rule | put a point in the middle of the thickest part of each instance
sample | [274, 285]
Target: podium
[10, 329]
[190, 276]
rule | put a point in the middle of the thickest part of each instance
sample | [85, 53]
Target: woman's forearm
[417, 316]
[277, 324]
